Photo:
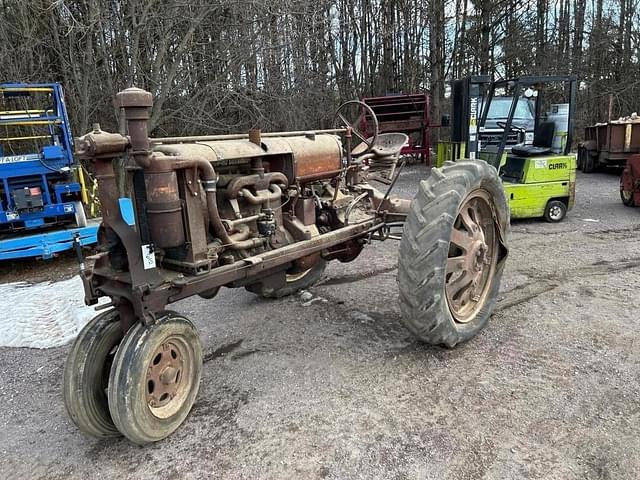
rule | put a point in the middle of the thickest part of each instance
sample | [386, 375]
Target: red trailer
[407, 114]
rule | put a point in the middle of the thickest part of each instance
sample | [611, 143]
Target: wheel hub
[472, 257]
[478, 256]
[164, 375]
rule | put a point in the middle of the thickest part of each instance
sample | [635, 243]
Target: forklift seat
[542, 141]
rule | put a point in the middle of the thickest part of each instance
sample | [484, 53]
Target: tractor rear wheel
[155, 378]
[452, 253]
[86, 374]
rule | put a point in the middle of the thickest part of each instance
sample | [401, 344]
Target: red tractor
[630, 182]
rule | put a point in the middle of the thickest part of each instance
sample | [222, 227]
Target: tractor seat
[387, 144]
[542, 141]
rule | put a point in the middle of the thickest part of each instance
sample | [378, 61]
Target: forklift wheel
[453, 252]
[155, 378]
[555, 211]
[86, 372]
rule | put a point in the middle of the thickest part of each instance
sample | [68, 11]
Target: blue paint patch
[126, 211]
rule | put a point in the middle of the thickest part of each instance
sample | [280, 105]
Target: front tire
[86, 373]
[155, 378]
[452, 253]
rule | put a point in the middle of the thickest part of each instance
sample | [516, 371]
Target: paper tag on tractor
[148, 256]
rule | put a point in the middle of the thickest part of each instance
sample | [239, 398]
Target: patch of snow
[42, 315]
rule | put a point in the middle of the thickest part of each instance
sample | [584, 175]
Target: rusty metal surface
[306, 211]
[99, 143]
[472, 257]
[164, 209]
[228, 239]
[258, 264]
[316, 158]
[136, 104]
[164, 375]
[239, 136]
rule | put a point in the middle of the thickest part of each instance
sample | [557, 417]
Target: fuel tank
[304, 158]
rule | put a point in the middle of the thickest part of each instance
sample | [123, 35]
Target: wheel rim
[626, 195]
[168, 383]
[472, 257]
[555, 212]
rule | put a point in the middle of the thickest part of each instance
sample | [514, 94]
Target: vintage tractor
[264, 212]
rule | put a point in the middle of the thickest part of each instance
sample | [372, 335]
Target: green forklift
[538, 176]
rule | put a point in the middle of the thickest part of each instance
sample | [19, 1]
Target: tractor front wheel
[155, 378]
[86, 374]
[452, 253]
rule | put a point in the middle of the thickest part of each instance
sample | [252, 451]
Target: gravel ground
[338, 389]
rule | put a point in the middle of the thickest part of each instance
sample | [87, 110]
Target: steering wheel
[349, 110]
[515, 128]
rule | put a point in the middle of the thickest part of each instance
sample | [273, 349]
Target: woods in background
[225, 66]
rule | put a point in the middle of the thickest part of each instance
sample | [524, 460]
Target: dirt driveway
[336, 388]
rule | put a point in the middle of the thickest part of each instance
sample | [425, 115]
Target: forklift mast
[467, 94]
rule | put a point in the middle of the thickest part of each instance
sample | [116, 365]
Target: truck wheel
[580, 158]
[555, 211]
[452, 253]
[589, 161]
[86, 373]
[80, 216]
[155, 378]
[294, 282]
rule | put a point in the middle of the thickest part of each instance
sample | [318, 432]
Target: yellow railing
[20, 123]
[33, 137]
[26, 89]
[25, 112]
[89, 191]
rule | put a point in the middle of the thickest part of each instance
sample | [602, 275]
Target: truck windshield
[500, 106]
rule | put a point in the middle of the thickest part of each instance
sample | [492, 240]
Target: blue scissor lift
[41, 210]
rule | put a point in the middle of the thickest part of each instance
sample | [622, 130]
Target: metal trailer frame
[46, 245]
[51, 171]
[403, 113]
[613, 142]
